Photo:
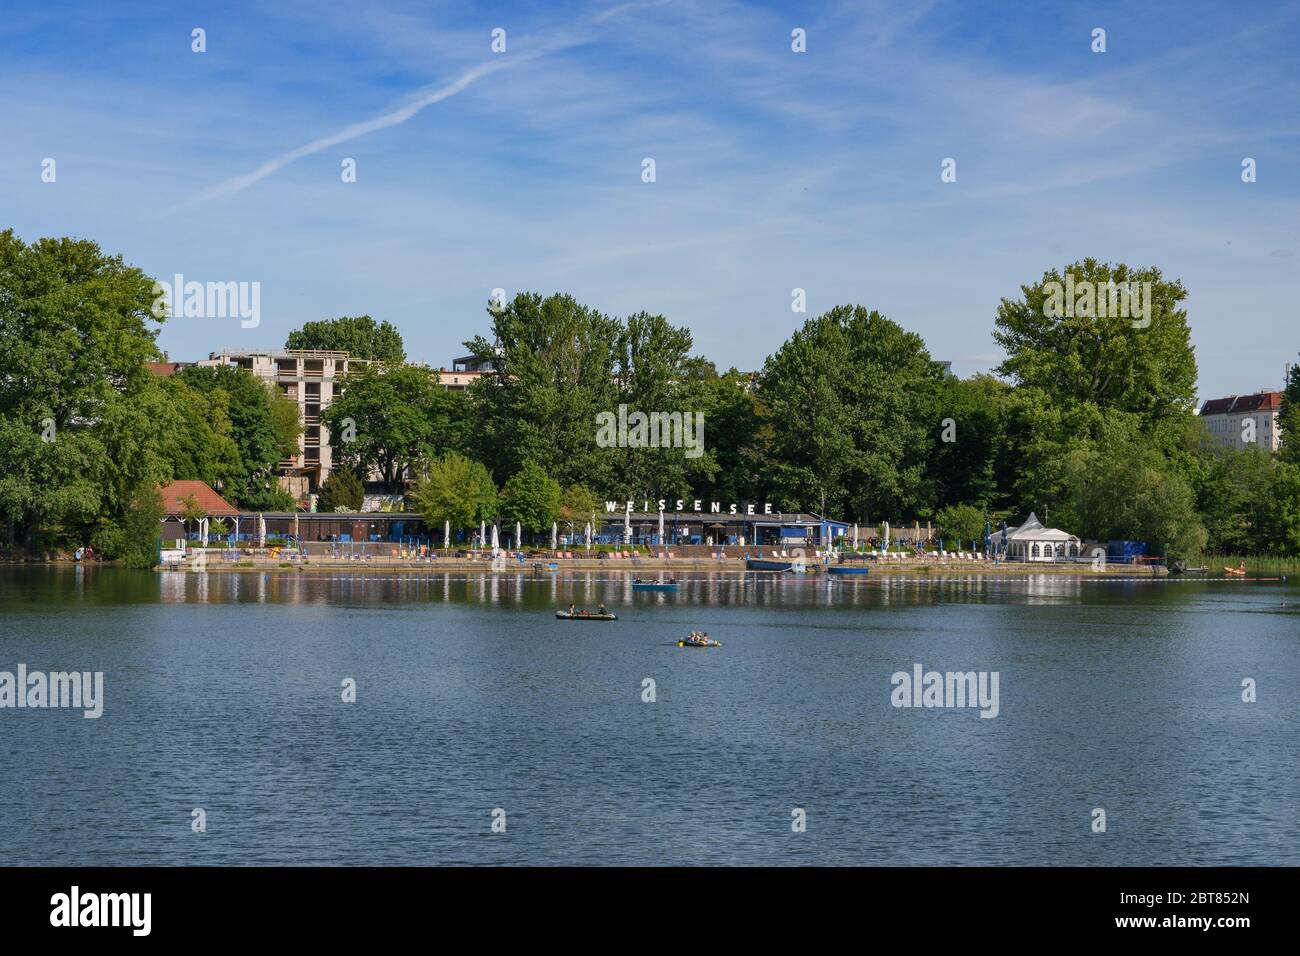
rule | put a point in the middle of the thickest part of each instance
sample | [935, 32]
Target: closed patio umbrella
[587, 536]
[519, 536]
[496, 540]
[661, 527]
[446, 535]
[886, 535]
[482, 534]
[554, 528]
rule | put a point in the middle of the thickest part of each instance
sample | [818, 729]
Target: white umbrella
[855, 536]
[261, 531]
[496, 540]
[886, 535]
[661, 527]
[587, 536]
[446, 535]
[203, 530]
[519, 536]
[554, 529]
[627, 527]
[482, 534]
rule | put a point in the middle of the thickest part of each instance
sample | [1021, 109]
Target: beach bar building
[710, 528]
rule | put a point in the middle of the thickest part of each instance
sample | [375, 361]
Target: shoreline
[652, 569]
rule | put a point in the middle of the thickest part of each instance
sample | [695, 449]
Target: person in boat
[601, 609]
[570, 609]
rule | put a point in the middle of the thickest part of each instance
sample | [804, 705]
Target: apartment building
[1238, 419]
[311, 378]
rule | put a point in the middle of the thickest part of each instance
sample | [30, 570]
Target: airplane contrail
[393, 117]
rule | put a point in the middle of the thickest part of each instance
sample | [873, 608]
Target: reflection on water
[222, 692]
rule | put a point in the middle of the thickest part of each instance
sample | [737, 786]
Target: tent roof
[1033, 530]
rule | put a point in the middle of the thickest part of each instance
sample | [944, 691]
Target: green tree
[341, 491]
[554, 371]
[456, 489]
[399, 415]
[579, 505]
[962, 522]
[76, 330]
[195, 434]
[1112, 362]
[191, 511]
[133, 537]
[655, 374]
[1288, 417]
[1123, 488]
[264, 426]
[850, 400]
[969, 418]
[359, 336]
[738, 431]
[1231, 489]
[269, 497]
[1278, 517]
[532, 498]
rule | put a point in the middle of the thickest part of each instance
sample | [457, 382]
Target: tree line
[1090, 419]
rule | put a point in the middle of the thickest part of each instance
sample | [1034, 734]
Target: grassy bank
[1255, 564]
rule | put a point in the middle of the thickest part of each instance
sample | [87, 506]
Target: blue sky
[775, 170]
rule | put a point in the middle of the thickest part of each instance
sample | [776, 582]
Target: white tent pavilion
[1032, 541]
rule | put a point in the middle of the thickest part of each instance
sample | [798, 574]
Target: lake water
[224, 692]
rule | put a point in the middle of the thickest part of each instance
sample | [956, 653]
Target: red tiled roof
[1239, 404]
[163, 369]
[208, 500]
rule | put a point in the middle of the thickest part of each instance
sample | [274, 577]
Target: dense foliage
[1090, 421]
[343, 490]
[360, 336]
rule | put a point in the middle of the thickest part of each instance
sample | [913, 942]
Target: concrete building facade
[310, 378]
[1243, 421]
